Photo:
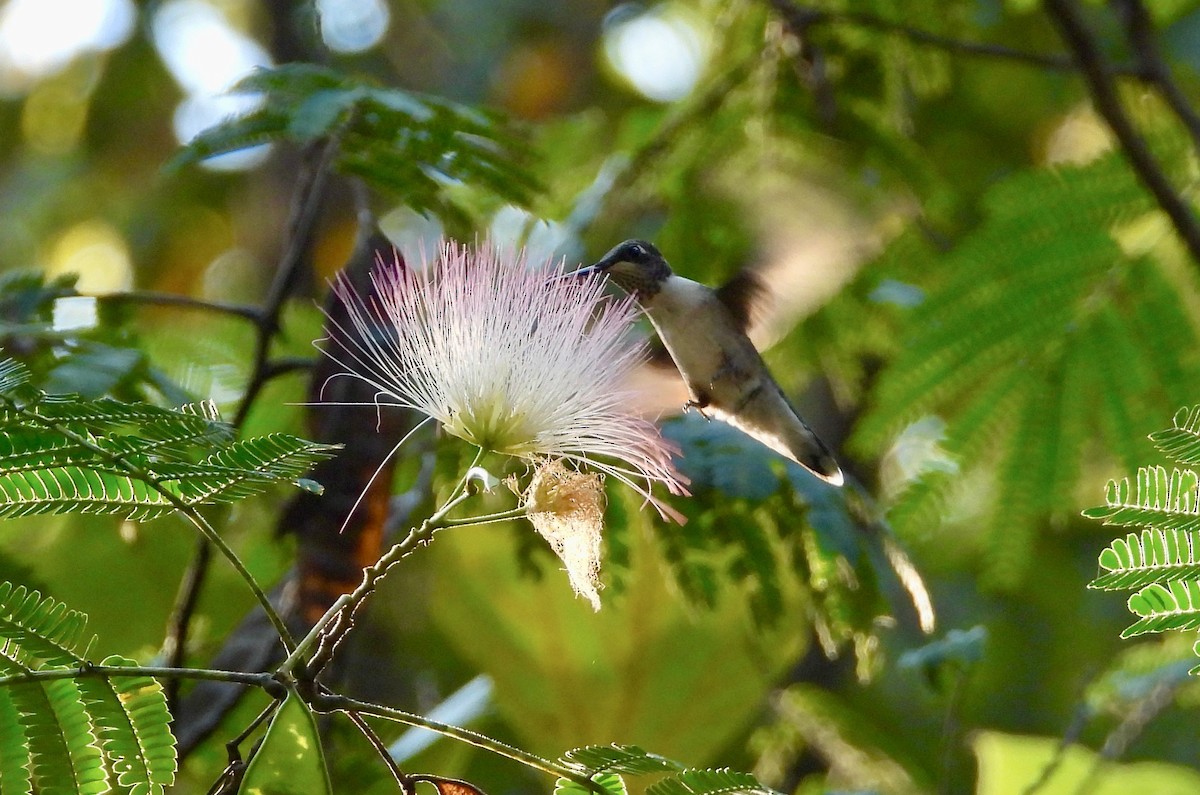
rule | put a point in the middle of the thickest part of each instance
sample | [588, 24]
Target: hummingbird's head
[636, 266]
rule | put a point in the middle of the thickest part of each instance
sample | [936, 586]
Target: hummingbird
[704, 332]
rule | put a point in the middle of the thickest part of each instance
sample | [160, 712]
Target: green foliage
[103, 358]
[593, 759]
[1173, 606]
[1012, 763]
[1163, 561]
[611, 783]
[1181, 441]
[290, 760]
[82, 732]
[62, 453]
[1055, 297]
[708, 782]
[603, 764]
[763, 527]
[1157, 555]
[416, 146]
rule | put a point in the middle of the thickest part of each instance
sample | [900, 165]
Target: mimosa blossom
[509, 356]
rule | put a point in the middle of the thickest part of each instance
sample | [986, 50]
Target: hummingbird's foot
[698, 406]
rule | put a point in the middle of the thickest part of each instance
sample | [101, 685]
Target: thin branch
[231, 777]
[472, 521]
[251, 313]
[332, 627]
[309, 194]
[339, 703]
[188, 511]
[1139, 29]
[665, 137]
[289, 364]
[381, 750]
[1131, 726]
[174, 649]
[802, 17]
[1102, 86]
[305, 205]
[263, 680]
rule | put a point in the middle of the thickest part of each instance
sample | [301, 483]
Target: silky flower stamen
[567, 509]
[511, 358]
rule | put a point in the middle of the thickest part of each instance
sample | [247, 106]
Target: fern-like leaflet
[410, 144]
[605, 764]
[1163, 560]
[61, 453]
[81, 732]
[1022, 321]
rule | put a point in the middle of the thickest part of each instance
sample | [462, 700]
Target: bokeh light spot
[40, 37]
[660, 52]
[207, 56]
[74, 313]
[97, 253]
[353, 25]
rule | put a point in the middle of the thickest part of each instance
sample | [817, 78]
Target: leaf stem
[188, 511]
[339, 703]
[263, 680]
[285, 636]
[800, 17]
[499, 516]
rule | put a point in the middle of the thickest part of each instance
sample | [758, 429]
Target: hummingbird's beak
[588, 270]
[584, 272]
[599, 266]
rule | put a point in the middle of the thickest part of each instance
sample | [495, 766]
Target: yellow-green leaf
[290, 761]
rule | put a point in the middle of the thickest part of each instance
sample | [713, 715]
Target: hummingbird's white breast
[717, 360]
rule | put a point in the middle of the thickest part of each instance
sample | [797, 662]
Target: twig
[174, 649]
[338, 703]
[1128, 730]
[263, 680]
[285, 365]
[306, 203]
[339, 618]
[951, 725]
[1140, 31]
[309, 194]
[231, 777]
[381, 749]
[251, 313]
[1099, 77]
[802, 17]
[666, 136]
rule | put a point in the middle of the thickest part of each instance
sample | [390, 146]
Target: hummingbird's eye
[637, 250]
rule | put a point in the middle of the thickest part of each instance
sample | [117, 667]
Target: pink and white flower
[509, 356]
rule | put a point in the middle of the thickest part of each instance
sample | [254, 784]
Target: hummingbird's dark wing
[745, 296]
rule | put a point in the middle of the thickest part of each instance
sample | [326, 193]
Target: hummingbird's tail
[772, 420]
[806, 449]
